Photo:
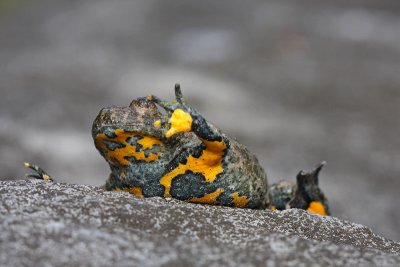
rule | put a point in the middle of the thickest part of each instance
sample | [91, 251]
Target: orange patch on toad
[136, 190]
[209, 164]
[210, 198]
[239, 201]
[317, 207]
[128, 150]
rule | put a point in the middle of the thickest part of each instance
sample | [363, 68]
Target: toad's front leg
[39, 173]
[195, 170]
[184, 118]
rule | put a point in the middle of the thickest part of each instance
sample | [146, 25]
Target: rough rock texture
[297, 82]
[52, 224]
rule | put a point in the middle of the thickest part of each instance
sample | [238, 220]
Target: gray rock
[55, 224]
[297, 82]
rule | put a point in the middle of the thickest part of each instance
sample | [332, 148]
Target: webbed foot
[170, 106]
[39, 173]
[305, 194]
[309, 195]
[180, 115]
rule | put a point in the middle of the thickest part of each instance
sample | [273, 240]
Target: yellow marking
[273, 208]
[214, 146]
[149, 141]
[136, 190]
[209, 164]
[128, 150]
[181, 122]
[122, 175]
[239, 202]
[27, 165]
[317, 207]
[46, 177]
[149, 97]
[210, 198]
[157, 123]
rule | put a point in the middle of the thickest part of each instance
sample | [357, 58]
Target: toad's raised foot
[170, 106]
[305, 194]
[39, 172]
[308, 194]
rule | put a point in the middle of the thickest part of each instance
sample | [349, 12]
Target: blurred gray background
[298, 82]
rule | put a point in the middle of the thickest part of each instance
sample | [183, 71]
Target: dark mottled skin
[241, 172]
[168, 149]
[281, 193]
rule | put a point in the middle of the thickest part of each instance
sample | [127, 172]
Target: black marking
[112, 145]
[189, 185]
[110, 133]
[225, 199]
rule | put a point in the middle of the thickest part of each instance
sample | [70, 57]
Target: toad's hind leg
[39, 172]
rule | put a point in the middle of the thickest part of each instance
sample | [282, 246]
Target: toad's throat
[119, 155]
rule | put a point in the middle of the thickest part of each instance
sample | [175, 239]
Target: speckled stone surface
[45, 224]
